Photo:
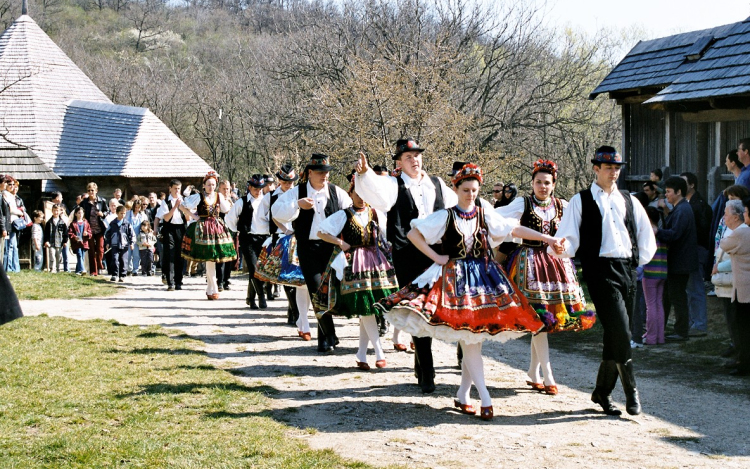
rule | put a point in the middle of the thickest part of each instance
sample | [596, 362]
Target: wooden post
[625, 145]
[701, 144]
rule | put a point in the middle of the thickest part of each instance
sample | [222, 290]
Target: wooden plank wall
[647, 134]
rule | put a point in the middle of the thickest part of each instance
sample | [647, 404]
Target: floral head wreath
[544, 166]
[211, 175]
[469, 170]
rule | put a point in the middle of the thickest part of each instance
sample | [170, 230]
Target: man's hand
[345, 246]
[362, 165]
[306, 204]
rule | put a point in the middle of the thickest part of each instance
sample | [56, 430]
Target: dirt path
[382, 418]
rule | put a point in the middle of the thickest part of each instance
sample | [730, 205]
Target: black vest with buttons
[303, 223]
[245, 221]
[591, 231]
[405, 210]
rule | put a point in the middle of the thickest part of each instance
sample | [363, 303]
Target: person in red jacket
[79, 233]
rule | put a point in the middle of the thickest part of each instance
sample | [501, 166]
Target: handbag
[19, 224]
[721, 279]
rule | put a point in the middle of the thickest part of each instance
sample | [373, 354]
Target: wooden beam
[717, 115]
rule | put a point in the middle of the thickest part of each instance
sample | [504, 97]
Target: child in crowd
[55, 238]
[37, 240]
[146, 245]
[118, 239]
[79, 233]
[654, 278]
[108, 217]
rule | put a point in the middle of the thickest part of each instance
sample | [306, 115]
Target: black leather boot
[605, 383]
[259, 289]
[292, 313]
[250, 299]
[627, 378]
[423, 365]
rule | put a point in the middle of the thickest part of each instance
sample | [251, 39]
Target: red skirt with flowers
[551, 286]
[467, 299]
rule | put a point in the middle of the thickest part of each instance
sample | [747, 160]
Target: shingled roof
[50, 106]
[24, 165]
[110, 140]
[40, 80]
[693, 65]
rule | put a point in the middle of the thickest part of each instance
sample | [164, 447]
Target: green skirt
[208, 240]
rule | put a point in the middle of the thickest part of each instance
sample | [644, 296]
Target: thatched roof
[24, 165]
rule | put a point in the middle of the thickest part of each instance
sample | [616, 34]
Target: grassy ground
[98, 394]
[32, 285]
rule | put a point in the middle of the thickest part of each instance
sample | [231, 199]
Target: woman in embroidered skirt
[207, 240]
[464, 296]
[359, 274]
[278, 262]
[549, 283]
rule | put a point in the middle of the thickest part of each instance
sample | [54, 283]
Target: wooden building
[51, 107]
[685, 103]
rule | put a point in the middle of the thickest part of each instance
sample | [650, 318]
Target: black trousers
[677, 291]
[251, 245]
[409, 263]
[118, 264]
[742, 332]
[612, 287]
[172, 263]
[313, 260]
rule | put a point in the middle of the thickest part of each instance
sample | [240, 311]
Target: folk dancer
[224, 270]
[611, 234]
[207, 240]
[172, 229]
[245, 219]
[464, 296]
[275, 256]
[409, 194]
[359, 274]
[306, 206]
[549, 283]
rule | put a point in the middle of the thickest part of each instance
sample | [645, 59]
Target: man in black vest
[251, 233]
[411, 194]
[609, 231]
[172, 229]
[306, 206]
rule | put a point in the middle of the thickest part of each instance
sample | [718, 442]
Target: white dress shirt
[334, 224]
[615, 238]
[163, 210]
[286, 208]
[258, 225]
[381, 192]
[264, 213]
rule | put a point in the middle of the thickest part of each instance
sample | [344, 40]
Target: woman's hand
[559, 245]
[441, 259]
[362, 165]
[715, 270]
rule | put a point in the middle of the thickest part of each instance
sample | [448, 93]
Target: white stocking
[541, 346]
[396, 336]
[534, 374]
[303, 305]
[369, 325]
[475, 365]
[211, 287]
[464, 391]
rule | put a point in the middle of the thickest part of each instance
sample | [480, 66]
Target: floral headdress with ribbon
[545, 166]
[211, 175]
[469, 170]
